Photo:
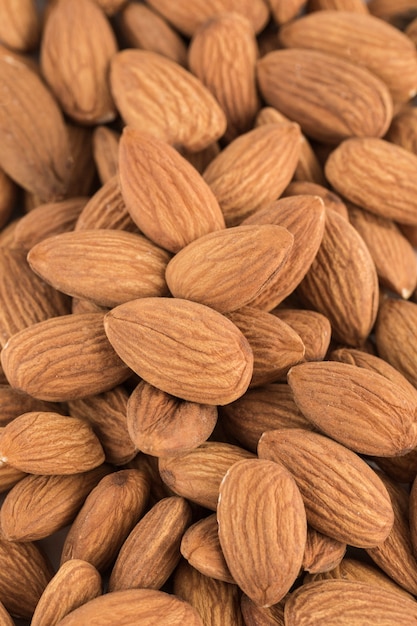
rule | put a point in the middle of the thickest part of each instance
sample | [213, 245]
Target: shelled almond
[207, 313]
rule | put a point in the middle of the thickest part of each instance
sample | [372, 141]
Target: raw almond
[343, 498]
[358, 6]
[260, 505]
[74, 584]
[13, 403]
[167, 199]
[214, 269]
[322, 553]
[8, 194]
[331, 200]
[146, 87]
[105, 151]
[19, 34]
[285, 10]
[183, 348]
[5, 616]
[350, 102]
[313, 328]
[258, 616]
[63, 358]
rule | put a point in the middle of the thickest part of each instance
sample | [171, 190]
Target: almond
[258, 616]
[106, 266]
[343, 498]
[146, 88]
[13, 403]
[9, 477]
[322, 553]
[83, 172]
[63, 358]
[313, 328]
[393, 12]
[74, 584]
[260, 505]
[227, 43]
[331, 200]
[351, 102]
[214, 271]
[376, 175]
[141, 606]
[285, 10]
[105, 151]
[19, 34]
[167, 199]
[183, 348]
[5, 616]
[8, 194]
[107, 516]
[254, 169]
[162, 425]
[358, 6]
[39, 506]
[35, 149]
[152, 550]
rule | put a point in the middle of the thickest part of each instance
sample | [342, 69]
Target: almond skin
[165, 196]
[214, 270]
[13, 403]
[20, 34]
[50, 443]
[46, 361]
[79, 80]
[351, 102]
[344, 498]
[313, 328]
[146, 86]
[260, 505]
[106, 266]
[322, 553]
[175, 345]
[105, 152]
[364, 410]
[74, 584]
[377, 175]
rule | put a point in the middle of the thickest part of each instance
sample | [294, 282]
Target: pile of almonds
[208, 313]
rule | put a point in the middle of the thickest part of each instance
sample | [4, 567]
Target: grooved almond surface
[214, 269]
[329, 97]
[183, 348]
[343, 496]
[164, 194]
[262, 528]
[136, 78]
[106, 266]
[106, 209]
[63, 358]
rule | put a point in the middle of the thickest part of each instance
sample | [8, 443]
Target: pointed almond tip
[406, 293]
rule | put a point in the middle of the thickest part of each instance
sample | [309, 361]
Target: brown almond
[38, 506]
[331, 200]
[313, 328]
[8, 195]
[9, 477]
[163, 425]
[343, 498]
[357, 6]
[5, 616]
[106, 151]
[260, 505]
[183, 348]
[50, 443]
[322, 553]
[196, 475]
[82, 179]
[106, 518]
[393, 12]
[165, 196]
[74, 584]
[106, 209]
[403, 129]
[214, 269]
[259, 616]
[13, 403]
[63, 358]
[146, 86]
[285, 10]
[20, 34]
[254, 169]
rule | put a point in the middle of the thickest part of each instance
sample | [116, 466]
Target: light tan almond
[262, 528]
[331, 200]
[361, 40]
[313, 328]
[146, 86]
[183, 348]
[107, 266]
[275, 345]
[74, 584]
[377, 175]
[227, 43]
[254, 169]
[35, 150]
[188, 18]
[343, 498]
[50, 443]
[342, 282]
[349, 102]
[106, 209]
[217, 602]
[322, 553]
[143, 607]
[144, 28]
[162, 425]
[362, 604]
[20, 25]
[165, 196]
[304, 217]
[196, 475]
[364, 410]
[285, 10]
[39, 506]
[106, 412]
[106, 152]
[63, 358]
[106, 518]
[214, 271]
[259, 410]
[200, 545]
[79, 80]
